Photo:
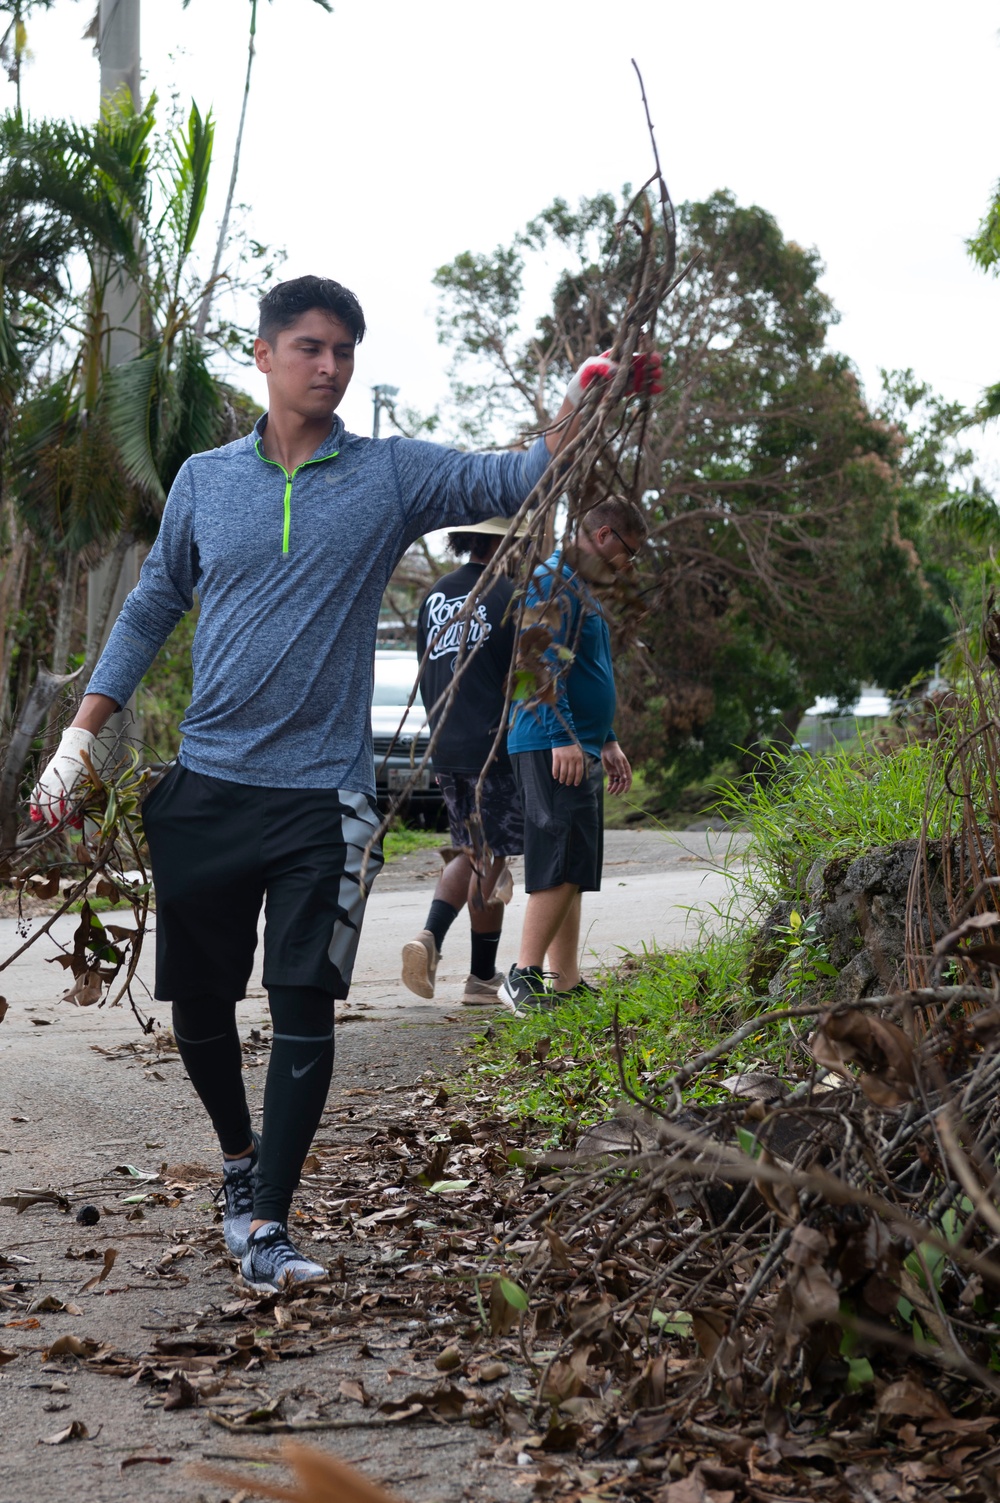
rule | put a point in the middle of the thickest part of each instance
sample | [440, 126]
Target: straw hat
[497, 527]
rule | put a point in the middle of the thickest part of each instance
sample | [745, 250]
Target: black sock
[440, 920]
[298, 1079]
[484, 955]
[209, 1046]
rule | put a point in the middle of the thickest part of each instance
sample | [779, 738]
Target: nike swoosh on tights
[297, 1074]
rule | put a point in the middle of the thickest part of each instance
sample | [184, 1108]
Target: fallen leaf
[350, 1389]
[110, 1255]
[909, 1396]
[320, 1478]
[180, 1393]
[75, 1430]
[128, 1461]
[72, 1346]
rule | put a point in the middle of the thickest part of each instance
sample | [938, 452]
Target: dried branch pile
[106, 858]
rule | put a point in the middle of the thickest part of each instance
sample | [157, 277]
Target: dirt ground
[156, 1358]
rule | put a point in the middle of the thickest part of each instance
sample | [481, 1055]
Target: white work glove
[645, 376]
[52, 795]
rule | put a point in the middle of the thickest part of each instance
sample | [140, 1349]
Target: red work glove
[645, 376]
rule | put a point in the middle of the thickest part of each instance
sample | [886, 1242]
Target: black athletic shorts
[503, 822]
[219, 849]
[563, 826]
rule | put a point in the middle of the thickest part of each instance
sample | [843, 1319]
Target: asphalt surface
[70, 1113]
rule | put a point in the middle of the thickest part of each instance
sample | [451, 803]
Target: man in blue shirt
[561, 752]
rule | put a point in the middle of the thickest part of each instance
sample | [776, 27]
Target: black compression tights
[298, 1079]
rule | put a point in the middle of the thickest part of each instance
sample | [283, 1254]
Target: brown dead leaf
[446, 1401]
[128, 1461]
[780, 1198]
[709, 1327]
[695, 1488]
[7, 1356]
[85, 991]
[319, 1478]
[72, 1346]
[503, 1315]
[349, 1389]
[882, 1051]
[814, 1296]
[807, 1246]
[110, 1254]
[24, 1199]
[181, 1394]
[557, 1248]
[75, 1430]
[4, 1008]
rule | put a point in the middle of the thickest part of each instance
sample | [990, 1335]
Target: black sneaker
[237, 1188]
[523, 990]
[271, 1262]
[582, 992]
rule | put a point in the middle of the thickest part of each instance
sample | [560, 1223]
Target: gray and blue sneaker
[237, 1189]
[272, 1263]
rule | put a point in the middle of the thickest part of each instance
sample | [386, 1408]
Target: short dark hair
[619, 514]
[476, 544]
[287, 302]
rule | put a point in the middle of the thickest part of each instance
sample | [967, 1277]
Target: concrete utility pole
[118, 46]
[382, 397]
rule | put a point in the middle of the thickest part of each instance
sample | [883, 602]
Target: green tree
[776, 568]
[93, 449]
[984, 248]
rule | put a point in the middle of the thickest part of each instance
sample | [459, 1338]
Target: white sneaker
[420, 963]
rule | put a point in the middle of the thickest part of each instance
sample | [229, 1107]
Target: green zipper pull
[287, 529]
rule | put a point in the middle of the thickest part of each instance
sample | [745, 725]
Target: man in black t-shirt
[465, 739]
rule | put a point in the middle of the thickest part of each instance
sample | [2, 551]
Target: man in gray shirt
[289, 537]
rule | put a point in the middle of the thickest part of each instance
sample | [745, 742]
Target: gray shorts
[563, 826]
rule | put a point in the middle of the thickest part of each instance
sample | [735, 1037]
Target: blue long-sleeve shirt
[584, 711]
[290, 572]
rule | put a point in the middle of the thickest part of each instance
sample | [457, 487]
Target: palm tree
[95, 448]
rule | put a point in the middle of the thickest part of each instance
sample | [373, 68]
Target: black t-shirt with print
[475, 713]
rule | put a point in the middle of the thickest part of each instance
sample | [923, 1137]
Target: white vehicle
[400, 736]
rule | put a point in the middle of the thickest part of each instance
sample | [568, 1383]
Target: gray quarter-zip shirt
[290, 572]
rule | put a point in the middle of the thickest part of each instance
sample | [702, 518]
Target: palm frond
[188, 185]
[129, 394]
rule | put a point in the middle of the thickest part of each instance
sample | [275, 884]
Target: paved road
[657, 889]
[69, 1115]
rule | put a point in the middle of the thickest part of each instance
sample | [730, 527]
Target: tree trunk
[11, 597]
[63, 634]
[206, 302]
[44, 692]
[40, 701]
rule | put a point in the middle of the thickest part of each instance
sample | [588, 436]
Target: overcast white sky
[388, 137]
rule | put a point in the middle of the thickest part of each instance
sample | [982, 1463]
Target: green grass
[402, 841]
[560, 1067]
[840, 805]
